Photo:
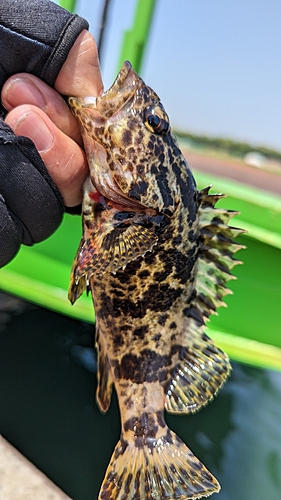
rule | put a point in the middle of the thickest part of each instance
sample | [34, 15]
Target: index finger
[24, 88]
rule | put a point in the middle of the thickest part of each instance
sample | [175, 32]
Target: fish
[156, 255]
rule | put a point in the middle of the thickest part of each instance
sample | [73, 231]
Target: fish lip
[112, 100]
[121, 80]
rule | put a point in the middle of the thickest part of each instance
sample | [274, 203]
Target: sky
[214, 63]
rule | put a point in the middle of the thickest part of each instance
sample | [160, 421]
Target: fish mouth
[112, 100]
[108, 108]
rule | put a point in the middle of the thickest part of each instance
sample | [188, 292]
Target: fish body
[156, 255]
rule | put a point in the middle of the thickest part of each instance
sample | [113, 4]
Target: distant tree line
[228, 145]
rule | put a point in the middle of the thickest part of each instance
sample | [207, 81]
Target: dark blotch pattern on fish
[164, 255]
[147, 366]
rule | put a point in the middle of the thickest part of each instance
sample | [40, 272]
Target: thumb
[80, 74]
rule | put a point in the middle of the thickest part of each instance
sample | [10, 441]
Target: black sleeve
[31, 207]
[35, 37]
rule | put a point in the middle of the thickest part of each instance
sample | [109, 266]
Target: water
[48, 411]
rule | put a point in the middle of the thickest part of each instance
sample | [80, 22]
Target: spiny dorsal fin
[216, 251]
[203, 368]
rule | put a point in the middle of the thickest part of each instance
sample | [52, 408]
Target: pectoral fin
[127, 246]
[108, 252]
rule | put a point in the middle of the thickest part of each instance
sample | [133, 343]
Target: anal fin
[104, 387]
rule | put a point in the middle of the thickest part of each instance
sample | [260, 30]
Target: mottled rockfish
[156, 255]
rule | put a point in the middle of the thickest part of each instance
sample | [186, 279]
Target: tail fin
[156, 469]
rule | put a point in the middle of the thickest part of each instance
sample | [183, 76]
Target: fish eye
[155, 123]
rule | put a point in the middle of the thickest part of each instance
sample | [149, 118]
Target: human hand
[39, 112]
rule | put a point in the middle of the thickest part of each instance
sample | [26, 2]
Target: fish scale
[156, 254]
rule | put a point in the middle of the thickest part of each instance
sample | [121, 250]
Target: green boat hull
[249, 330]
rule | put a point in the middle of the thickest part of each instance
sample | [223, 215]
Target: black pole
[102, 27]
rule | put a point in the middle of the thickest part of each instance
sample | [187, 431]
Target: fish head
[133, 156]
